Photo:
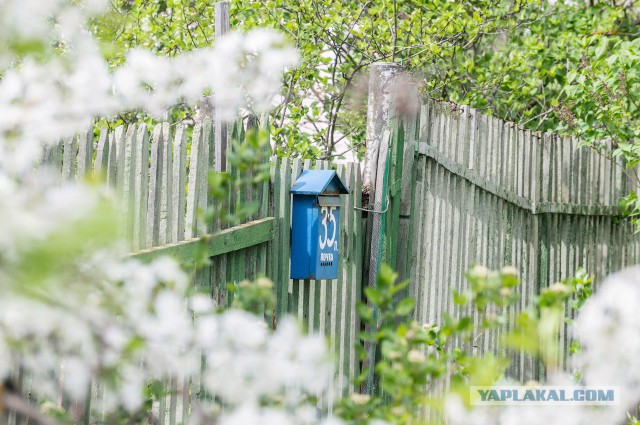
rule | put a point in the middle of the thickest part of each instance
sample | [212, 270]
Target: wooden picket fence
[161, 176]
[484, 191]
[502, 195]
[453, 188]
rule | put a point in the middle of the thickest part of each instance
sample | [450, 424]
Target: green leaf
[364, 312]
[374, 295]
[405, 307]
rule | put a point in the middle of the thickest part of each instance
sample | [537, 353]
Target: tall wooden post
[382, 78]
[388, 173]
[380, 111]
[223, 25]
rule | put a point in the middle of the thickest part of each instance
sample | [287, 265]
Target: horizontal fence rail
[223, 242]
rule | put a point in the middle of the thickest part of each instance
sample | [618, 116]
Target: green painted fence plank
[179, 183]
[225, 241]
[102, 153]
[70, 151]
[155, 189]
[141, 189]
[85, 153]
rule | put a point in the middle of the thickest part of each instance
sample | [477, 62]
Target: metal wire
[375, 211]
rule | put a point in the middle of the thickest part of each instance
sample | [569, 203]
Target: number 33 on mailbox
[315, 224]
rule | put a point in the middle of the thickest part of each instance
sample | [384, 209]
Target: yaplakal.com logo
[529, 395]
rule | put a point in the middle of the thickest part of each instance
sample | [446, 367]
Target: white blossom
[103, 315]
[44, 101]
[607, 326]
[73, 305]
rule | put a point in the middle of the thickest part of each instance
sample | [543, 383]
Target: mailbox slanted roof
[319, 182]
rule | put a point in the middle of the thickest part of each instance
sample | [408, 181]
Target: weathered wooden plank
[467, 234]
[112, 160]
[120, 144]
[516, 161]
[519, 162]
[207, 163]
[179, 178]
[329, 294]
[185, 396]
[162, 406]
[296, 170]
[69, 158]
[421, 216]
[226, 241]
[274, 246]
[155, 188]
[85, 152]
[526, 163]
[463, 136]
[431, 242]
[165, 185]
[197, 165]
[284, 221]
[221, 131]
[567, 156]
[102, 153]
[343, 328]
[416, 242]
[356, 272]
[512, 197]
[52, 157]
[504, 169]
[546, 178]
[264, 212]
[607, 175]
[126, 177]
[173, 403]
[304, 314]
[495, 153]
[452, 281]
[441, 258]
[219, 281]
[236, 133]
[557, 168]
[406, 179]
[485, 128]
[141, 188]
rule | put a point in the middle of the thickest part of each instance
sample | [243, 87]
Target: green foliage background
[519, 60]
[563, 66]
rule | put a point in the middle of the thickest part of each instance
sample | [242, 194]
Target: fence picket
[197, 162]
[112, 161]
[85, 153]
[69, 158]
[155, 188]
[179, 180]
[102, 153]
[166, 185]
[141, 189]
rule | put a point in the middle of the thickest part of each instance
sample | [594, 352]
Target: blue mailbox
[315, 224]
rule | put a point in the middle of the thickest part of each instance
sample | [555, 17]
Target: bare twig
[13, 402]
[395, 31]
[288, 97]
